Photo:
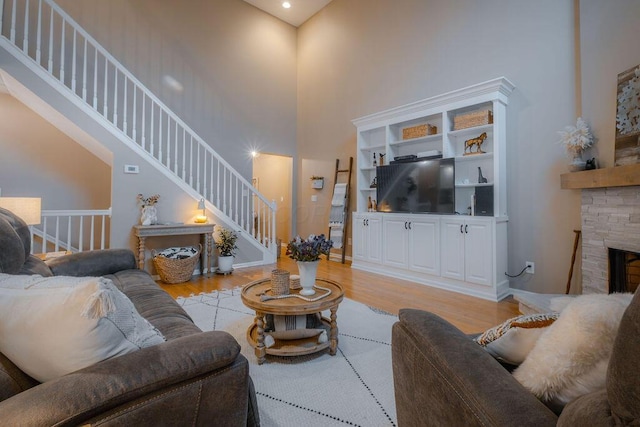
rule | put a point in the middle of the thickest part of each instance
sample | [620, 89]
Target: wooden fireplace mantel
[617, 176]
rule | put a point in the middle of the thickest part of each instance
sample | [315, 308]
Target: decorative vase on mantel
[577, 164]
[307, 271]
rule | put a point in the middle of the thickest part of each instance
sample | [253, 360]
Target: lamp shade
[27, 208]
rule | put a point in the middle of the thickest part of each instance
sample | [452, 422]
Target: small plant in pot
[226, 243]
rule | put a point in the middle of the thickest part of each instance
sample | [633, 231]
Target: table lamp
[201, 219]
[27, 208]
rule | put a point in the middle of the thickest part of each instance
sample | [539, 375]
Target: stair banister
[235, 185]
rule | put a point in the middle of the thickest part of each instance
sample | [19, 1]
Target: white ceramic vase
[149, 215]
[307, 271]
[577, 164]
[225, 263]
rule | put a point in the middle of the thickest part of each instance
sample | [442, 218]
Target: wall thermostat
[131, 169]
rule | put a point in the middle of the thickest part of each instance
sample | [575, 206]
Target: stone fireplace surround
[610, 219]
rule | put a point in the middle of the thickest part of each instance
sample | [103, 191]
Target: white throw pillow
[51, 326]
[571, 357]
[512, 340]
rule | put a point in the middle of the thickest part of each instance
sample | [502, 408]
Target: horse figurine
[469, 143]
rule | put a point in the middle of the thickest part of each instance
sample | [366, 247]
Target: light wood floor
[467, 313]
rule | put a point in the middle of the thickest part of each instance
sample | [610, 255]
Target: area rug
[354, 387]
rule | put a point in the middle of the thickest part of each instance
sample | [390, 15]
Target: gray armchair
[194, 378]
[443, 378]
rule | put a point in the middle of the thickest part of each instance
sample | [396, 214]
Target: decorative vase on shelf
[149, 215]
[577, 164]
[308, 271]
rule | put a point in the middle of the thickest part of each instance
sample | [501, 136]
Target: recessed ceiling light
[286, 5]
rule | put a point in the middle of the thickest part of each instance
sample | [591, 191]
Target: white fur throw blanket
[571, 357]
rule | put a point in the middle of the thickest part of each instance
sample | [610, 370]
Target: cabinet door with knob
[367, 237]
[467, 253]
[412, 242]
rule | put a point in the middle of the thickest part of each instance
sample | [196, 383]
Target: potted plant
[226, 243]
[307, 253]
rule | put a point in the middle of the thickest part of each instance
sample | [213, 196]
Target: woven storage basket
[419, 131]
[174, 270]
[279, 282]
[472, 119]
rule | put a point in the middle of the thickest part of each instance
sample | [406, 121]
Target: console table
[204, 230]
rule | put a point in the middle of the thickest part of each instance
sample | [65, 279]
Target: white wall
[357, 57]
[609, 35]
[38, 160]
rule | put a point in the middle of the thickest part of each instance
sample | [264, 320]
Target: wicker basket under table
[174, 270]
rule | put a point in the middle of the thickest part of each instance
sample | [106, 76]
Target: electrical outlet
[531, 267]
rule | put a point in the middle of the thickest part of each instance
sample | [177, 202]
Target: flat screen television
[426, 186]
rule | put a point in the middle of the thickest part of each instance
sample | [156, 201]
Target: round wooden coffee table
[251, 297]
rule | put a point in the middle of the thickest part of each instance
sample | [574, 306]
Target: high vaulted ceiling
[296, 15]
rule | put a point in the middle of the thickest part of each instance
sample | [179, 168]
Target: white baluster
[84, 72]
[115, 96]
[168, 141]
[175, 152]
[12, 34]
[25, 40]
[2, 19]
[57, 241]
[191, 161]
[151, 129]
[91, 237]
[160, 134]
[95, 79]
[62, 44]
[38, 32]
[69, 242]
[236, 194]
[184, 154]
[105, 111]
[198, 168]
[218, 184]
[143, 119]
[50, 64]
[102, 232]
[81, 236]
[73, 63]
[135, 112]
[124, 104]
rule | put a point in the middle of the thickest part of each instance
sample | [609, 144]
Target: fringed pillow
[512, 341]
[51, 326]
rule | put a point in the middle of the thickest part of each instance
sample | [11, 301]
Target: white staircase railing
[58, 45]
[73, 231]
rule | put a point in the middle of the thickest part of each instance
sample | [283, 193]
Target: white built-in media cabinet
[458, 252]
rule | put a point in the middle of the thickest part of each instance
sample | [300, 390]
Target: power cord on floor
[519, 274]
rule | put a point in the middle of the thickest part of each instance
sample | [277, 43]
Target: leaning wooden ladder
[339, 214]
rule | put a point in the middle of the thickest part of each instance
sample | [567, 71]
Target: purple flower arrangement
[309, 249]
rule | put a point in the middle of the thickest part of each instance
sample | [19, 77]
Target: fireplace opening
[624, 271]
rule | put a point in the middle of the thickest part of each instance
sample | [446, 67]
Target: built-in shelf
[618, 176]
[434, 137]
[474, 157]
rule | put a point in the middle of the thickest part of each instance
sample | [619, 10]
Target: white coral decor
[576, 138]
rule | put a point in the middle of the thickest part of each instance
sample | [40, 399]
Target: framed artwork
[627, 144]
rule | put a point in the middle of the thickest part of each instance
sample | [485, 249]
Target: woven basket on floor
[279, 282]
[174, 270]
